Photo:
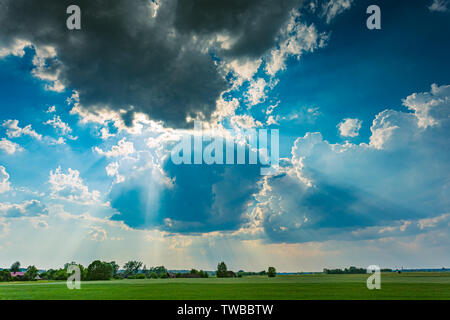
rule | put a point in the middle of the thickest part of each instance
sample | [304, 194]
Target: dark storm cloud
[253, 25]
[161, 65]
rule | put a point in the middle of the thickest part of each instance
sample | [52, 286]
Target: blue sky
[89, 118]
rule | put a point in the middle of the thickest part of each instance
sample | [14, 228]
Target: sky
[89, 118]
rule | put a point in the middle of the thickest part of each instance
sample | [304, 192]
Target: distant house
[171, 275]
[231, 274]
[19, 274]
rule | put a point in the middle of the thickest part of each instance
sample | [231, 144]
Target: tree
[99, 270]
[5, 275]
[132, 267]
[15, 267]
[115, 267]
[31, 273]
[222, 270]
[193, 271]
[159, 270]
[66, 265]
[271, 272]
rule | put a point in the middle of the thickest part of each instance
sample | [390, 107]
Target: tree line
[351, 270]
[101, 270]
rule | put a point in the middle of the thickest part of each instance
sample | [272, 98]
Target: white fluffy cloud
[431, 107]
[69, 186]
[256, 92]
[60, 125]
[31, 208]
[16, 49]
[14, 131]
[46, 68]
[9, 146]
[298, 38]
[123, 148]
[4, 180]
[112, 170]
[399, 181]
[334, 7]
[349, 127]
[244, 69]
[51, 109]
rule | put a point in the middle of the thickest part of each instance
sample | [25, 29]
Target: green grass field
[303, 287]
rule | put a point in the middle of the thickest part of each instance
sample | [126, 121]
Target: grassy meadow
[414, 285]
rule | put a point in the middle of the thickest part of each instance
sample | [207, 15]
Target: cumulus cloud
[51, 109]
[431, 107]
[256, 92]
[171, 75]
[112, 170]
[123, 148]
[349, 127]
[4, 180]
[13, 130]
[297, 38]
[70, 186]
[9, 146]
[31, 208]
[332, 8]
[60, 125]
[399, 180]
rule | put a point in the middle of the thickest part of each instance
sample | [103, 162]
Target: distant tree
[31, 273]
[222, 270]
[193, 271]
[99, 270]
[60, 274]
[132, 267]
[351, 270]
[203, 274]
[66, 265]
[271, 272]
[158, 270]
[5, 275]
[153, 275]
[115, 267]
[15, 267]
